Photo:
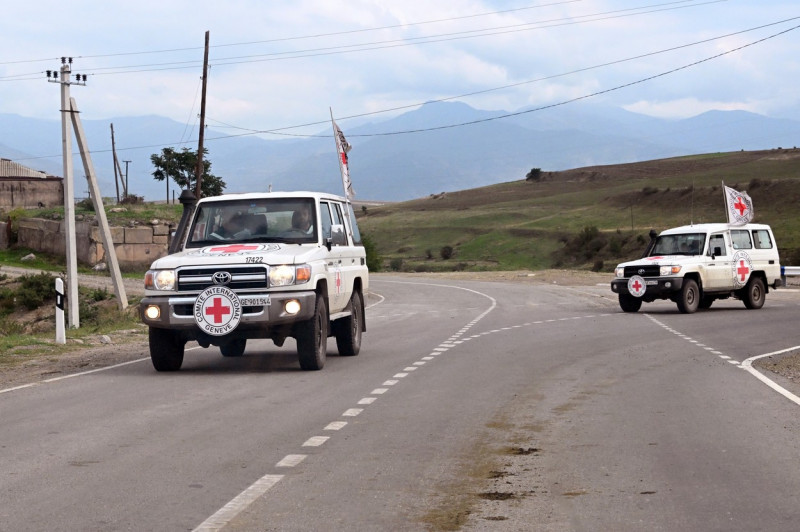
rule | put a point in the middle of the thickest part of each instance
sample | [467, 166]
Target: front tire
[689, 298]
[312, 338]
[348, 330]
[166, 349]
[629, 303]
[754, 294]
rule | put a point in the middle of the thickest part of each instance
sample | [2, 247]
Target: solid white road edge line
[748, 365]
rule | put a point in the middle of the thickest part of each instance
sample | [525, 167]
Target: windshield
[684, 244]
[283, 220]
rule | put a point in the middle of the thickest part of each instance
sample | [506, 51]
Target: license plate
[255, 301]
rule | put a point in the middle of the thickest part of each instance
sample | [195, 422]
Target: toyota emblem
[221, 278]
[641, 271]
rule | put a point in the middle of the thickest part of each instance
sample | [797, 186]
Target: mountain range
[437, 147]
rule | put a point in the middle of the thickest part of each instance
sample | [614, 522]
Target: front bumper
[177, 312]
[656, 287]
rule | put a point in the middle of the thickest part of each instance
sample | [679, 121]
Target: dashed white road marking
[224, 515]
[315, 441]
[291, 460]
[746, 365]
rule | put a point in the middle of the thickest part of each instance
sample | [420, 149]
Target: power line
[281, 131]
[395, 43]
[473, 122]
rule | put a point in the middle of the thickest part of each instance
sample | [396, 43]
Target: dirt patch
[76, 356]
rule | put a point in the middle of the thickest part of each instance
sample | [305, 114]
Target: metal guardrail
[790, 271]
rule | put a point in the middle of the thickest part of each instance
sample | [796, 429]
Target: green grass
[533, 225]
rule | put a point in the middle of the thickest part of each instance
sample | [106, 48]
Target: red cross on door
[742, 270]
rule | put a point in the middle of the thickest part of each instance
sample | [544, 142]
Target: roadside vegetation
[588, 218]
[27, 316]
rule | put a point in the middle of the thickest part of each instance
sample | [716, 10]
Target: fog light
[667, 284]
[152, 312]
[292, 307]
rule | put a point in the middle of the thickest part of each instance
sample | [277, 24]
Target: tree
[534, 175]
[181, 166]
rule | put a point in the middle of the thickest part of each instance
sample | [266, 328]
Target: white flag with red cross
[740, 207]
[342, 146]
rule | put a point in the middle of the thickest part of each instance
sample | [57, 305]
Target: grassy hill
[589, 217]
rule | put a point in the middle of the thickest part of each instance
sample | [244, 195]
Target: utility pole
[199, 172]
[69, 185]
[114, 156]
[126, 175]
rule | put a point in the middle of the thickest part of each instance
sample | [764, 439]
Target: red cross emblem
[233, 248]
[742, 270]
[217, 310]
[740, 205]
[636, 286]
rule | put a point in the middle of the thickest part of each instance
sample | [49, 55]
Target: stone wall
[31, 193]
[136, 247]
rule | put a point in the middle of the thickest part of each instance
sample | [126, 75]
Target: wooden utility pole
[114, 155]
[199, 172]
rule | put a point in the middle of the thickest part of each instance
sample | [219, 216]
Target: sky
[280, 64]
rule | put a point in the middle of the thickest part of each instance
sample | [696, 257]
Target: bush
[35, 290]
[446, 252]
[396, 264]
[373, 258]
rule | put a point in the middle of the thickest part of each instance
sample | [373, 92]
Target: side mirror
[337, 238]
[717, 252]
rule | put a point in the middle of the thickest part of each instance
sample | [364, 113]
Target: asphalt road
[474, 405]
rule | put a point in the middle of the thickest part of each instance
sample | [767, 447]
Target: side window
[356, 232]
[717, 241]
[763, 241]
[336, 216]
[325, 219]
[741, 239]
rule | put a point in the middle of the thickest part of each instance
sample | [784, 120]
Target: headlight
[669, 270]
[620, 271]
[281, 275]
[159, 280]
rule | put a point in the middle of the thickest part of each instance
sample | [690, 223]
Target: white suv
[271, 265]
[695, 264]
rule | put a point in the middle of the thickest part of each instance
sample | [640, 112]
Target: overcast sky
[282, 63]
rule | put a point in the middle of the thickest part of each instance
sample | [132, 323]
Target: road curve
[473, 405]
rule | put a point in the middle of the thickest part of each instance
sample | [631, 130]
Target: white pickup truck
[260, 265]
[694, 265]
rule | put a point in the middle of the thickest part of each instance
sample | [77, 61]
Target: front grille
[242, 278]
[652, 270]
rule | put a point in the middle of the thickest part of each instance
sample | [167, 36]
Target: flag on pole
[740, 207]
[342, 147]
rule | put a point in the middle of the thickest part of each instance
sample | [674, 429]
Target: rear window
[741, 239]
[762, 239]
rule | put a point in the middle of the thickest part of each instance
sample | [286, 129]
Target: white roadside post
[60, 335]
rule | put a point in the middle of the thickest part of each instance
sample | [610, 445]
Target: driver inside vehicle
[301, 220]
[233, 227]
